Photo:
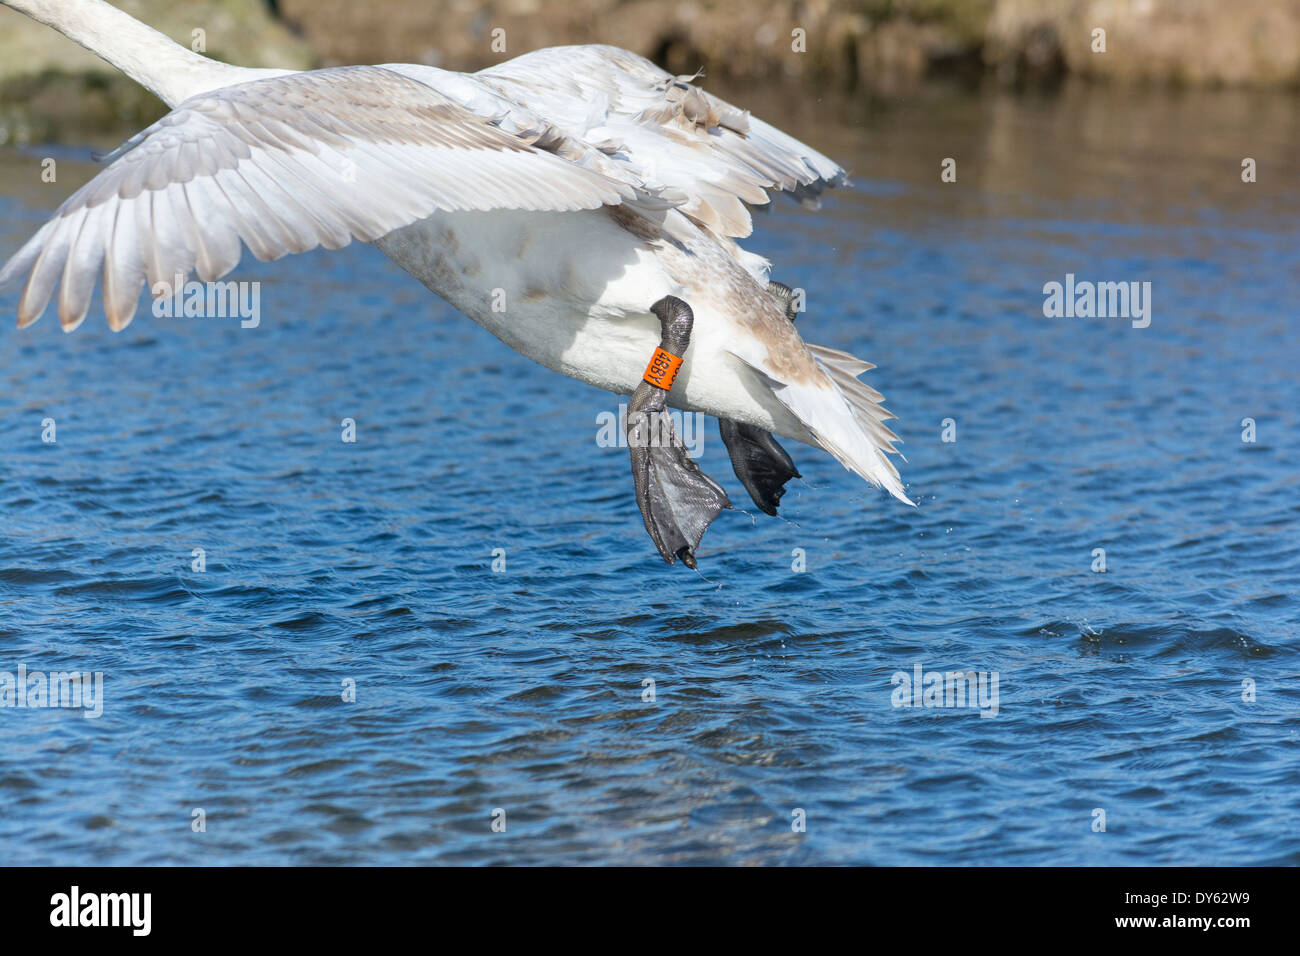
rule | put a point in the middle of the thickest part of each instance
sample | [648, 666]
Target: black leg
[762, 465]
[678, 502]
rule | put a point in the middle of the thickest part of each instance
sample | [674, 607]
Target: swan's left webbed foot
[761, 464]
[678, 502]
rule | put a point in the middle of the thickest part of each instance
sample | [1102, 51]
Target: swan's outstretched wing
[284, 165]
[672, 134]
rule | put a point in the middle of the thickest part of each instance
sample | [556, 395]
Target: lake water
[1160, 696]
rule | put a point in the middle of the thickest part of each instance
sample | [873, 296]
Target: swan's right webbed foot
[678, 502]
[761, 464]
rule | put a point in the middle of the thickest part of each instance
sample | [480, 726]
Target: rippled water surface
[523, 690]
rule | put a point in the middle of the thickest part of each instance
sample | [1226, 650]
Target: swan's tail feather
[844, 369]
[846, 418]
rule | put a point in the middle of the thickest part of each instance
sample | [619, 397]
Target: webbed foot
[678, 502]
[761, 464]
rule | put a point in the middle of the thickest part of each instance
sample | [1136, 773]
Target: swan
[578, 202]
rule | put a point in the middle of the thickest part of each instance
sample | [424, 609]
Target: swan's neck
[163, 67]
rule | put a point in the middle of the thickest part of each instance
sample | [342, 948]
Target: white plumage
[582, 183]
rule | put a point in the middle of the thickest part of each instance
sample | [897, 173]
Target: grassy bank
[880, 46]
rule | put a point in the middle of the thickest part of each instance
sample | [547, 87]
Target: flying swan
[600, 195]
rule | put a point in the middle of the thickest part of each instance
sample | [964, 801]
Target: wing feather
[284, 165]
[668, 131]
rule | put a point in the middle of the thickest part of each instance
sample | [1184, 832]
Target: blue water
[522, 690]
